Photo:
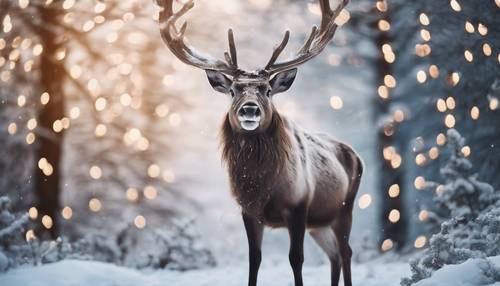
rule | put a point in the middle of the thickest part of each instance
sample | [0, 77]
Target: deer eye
[231, 92]
[268, 93]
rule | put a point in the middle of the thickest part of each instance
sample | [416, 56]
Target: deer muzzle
[249, 116]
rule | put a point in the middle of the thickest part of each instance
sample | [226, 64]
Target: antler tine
[232, 47]
[326, 13]
[307, 45]
[174, 39]
[278, 50]
[315, 43]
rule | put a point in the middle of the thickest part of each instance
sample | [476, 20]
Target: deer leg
[342, 231]
[296, 220]
[326, 240]
[254, 231]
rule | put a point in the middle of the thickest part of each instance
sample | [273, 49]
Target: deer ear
[219, 81]
[282, 81]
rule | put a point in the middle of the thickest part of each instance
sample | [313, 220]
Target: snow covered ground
[374, 273]
[81, 273]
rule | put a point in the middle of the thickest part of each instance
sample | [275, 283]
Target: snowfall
[218, 218]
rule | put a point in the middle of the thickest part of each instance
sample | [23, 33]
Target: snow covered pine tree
[470, 221]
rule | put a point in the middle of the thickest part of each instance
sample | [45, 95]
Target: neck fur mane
[255, 162]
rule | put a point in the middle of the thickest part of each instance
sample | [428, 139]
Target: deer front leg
[254, 231]
[296, 220]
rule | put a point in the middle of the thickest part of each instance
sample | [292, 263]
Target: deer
[280, 174]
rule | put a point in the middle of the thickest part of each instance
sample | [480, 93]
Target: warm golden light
[424, 20]
[486, 49]
[425, 35]
[474, 113]
[150, 192]
[420, 241]
[95, 205]
[47, 222]
[95, 172]
[420, 159]
[433, 153]
[450, 103]
[336, 102]
[468, 56]
[394, 191]
[419, 183]
[466, 151]
[364, 201]
[384, 25]
[493, 104]
[482, 29]
[33, 213]
[67, 213]
[455, 6]
[394, 216]
[449, 121]
[132, 195]
[44, 98]
[12, 128]
[389, 81]
[434, 71]
[422, 50]
[140, 222]
[383, 92]
[396, 161]
[441, 105]
[154, 171]
[30, 235]
[421, 76]
[423, 215]
[441, 139]
[469, 27]
[387, 245]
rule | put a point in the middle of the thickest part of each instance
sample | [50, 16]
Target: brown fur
[255, 161]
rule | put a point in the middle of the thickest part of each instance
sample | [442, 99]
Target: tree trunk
[388, 175]
[50, 143]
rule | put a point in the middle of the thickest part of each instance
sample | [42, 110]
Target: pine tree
[461, 195]
[469, 221]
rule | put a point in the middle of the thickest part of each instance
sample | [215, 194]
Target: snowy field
[374, 273]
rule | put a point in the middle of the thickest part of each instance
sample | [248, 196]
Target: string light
[394, 216]
[12, 128]
[474, 113]
[67, 213]
[33, 213]
[140, 222]
[449, 120]
[47, 222]
[387, 245]
[420, 241]
[95, 205]
[336, 102]
[394, 191]
[364, 201]
[419, 183]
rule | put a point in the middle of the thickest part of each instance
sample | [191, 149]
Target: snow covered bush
[470, 217]
[177, 247]
[11, 237]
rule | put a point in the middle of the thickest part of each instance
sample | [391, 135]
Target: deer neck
[255, 162]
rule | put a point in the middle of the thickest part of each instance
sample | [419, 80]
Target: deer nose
[249, 110]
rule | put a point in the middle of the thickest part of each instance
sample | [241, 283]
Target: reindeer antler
[175, 41]
[315, 43]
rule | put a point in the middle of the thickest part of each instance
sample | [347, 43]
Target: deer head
[251, 91]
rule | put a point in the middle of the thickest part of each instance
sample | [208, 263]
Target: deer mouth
[249, 123]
